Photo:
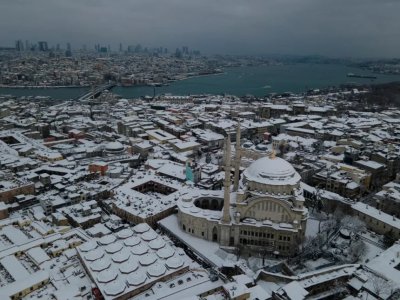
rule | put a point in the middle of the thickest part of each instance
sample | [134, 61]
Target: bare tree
[353, 224]
[381, 286]
[338, 215]
[329, 226]
[313, 245]
[357, 250]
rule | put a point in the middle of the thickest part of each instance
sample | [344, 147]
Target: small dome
[148, 259]
[125, 233]
[115, 287]
[174, 262]
[114, 147]
[165, 252]
[156, 270]
[100, 265]
[107, 276]
[272, 171]
[86, 247]
[107, 240]
[137, 279]
[142, 227]
[132, 241]
[94, 255]
[130, 266]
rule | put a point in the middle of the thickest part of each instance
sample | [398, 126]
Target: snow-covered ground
[312, 227]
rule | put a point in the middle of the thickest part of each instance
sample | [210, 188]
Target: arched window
[215, 234]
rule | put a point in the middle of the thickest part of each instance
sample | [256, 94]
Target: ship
[360, 76]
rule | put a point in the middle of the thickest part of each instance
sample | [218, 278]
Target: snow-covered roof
[272, 171]
[138, 263]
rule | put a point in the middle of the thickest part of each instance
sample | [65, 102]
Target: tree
[312, 246]
[329, 226]
[357, 250]
[282, 149]
[389, 238]
[316, 200]
[381, 286]
[338, 215]
[353, 224]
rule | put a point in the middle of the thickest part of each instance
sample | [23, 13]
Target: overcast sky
[358, 28]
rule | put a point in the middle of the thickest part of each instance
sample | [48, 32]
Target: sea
[240, 81]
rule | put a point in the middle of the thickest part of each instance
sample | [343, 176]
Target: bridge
[94, 93]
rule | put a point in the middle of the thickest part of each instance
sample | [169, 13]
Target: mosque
[263, 212]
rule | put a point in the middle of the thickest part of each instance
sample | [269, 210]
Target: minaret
[237, 159]
[226, 217]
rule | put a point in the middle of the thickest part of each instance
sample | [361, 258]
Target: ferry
[360, 76]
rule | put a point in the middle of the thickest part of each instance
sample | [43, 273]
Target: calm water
[56, 93]
[258, 81]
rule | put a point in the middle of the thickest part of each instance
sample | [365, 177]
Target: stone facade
[266, 214]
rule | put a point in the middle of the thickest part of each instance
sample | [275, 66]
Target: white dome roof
[272, 171]
[114, 146]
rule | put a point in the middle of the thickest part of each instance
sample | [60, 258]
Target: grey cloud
[329, 27]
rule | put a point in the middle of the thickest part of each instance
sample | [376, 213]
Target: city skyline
[335, 29]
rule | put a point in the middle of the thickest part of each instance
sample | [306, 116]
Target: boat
[360, 76]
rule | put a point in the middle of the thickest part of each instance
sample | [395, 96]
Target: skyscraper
[19, 45]
[43, 46]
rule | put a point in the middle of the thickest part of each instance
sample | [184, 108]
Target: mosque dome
[272, 171]
[115, 147]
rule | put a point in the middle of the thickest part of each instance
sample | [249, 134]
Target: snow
[157, 244]
[370, 164]
[107, 240]
[387, 264]
[14, 268]
[174, 262]
[272, 171]
[207, 250]
[149, 235]
[26, 283]
[376, 214]
[295, 291]
[135, 265]
[100, 265]
[106, 276]
[132, 241]
[121, 256]
[125, 233]
[136, 279]
[130, 266]
[165, 252]
[312, 227]
[139, 249]
[156, 270]
[113, 248]
[141, 228]
[38, 255]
